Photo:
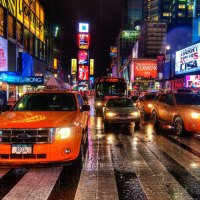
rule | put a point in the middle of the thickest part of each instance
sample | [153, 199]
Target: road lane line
[36, 184]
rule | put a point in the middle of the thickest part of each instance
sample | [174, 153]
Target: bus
[108, 87]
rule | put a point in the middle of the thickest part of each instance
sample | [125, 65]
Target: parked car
[145, 103]
[180, 110]
[120, 110]
[47, 126]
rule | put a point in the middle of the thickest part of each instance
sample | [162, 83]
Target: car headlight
[195, 115]
[63, 133]
[150, 105]
[135, 114]
[98, 103]
[110, 114]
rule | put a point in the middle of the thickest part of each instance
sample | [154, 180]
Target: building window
[26, 39]
[1, 21]
[32, 41]
[36, 47]
[181, 6]
[19, 33]
[11, 32]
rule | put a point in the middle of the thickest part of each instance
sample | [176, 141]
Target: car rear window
[46, 102]
[150, 97]
[122, 102]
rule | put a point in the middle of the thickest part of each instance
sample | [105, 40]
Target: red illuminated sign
[143, 69]
[83, 73]
[83, 41]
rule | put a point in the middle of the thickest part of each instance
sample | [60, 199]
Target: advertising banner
[31, 14]
[188, 60]
[143, 69]
[83, 41]
[83, 57]
[83, 73]
[113, 51]
[3, 54]
[83, 27]
[73, 66]
[196, 30]
[91, 66]
[192, 81]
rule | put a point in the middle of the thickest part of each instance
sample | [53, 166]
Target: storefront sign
[15, 78]
[3, 54]
[188, 60]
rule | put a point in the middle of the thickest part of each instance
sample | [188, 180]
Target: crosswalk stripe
[97, 179]
[157, 182]
[36, 184]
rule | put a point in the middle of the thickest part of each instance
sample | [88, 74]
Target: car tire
[137, 125]
[106, 125]
[155, 120]
[178, 126]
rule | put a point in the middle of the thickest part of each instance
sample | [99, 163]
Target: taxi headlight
[195, 115]
[98, 103]
[110, 114]
[63, 133]
[135, 114]
[150, 105]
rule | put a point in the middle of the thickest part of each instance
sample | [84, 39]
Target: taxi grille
[23, 156]
[26, 136]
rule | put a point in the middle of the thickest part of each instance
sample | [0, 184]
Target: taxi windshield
[187, 99]
[46, 102]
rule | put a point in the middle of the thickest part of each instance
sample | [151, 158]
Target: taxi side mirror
[85, 108]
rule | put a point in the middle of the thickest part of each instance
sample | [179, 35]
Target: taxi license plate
[22, 149]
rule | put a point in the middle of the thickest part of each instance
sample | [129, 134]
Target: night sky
[105, 19]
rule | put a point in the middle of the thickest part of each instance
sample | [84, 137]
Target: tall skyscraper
[132, 14]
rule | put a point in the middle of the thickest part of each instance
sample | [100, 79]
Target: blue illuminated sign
[16, 78]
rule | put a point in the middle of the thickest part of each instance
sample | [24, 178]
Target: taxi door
[169, 108]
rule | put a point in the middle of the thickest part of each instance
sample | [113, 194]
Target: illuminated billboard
[83, 73]
[3, 54]
[196, 30]
[83, 57]
[192, 81]
[83, 41]
[91, 66]
[188, 60]
[83, 27]
[113, 51]
[143, 69]
[73, 66]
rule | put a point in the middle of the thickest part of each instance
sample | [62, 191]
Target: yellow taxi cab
[145, 103]
[47, 126]
[180, 110]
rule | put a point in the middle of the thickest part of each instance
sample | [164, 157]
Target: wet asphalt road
[119, 163]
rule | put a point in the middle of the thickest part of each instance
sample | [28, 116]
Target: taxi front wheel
[178, 126]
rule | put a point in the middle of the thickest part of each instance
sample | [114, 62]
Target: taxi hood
[35, 119]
